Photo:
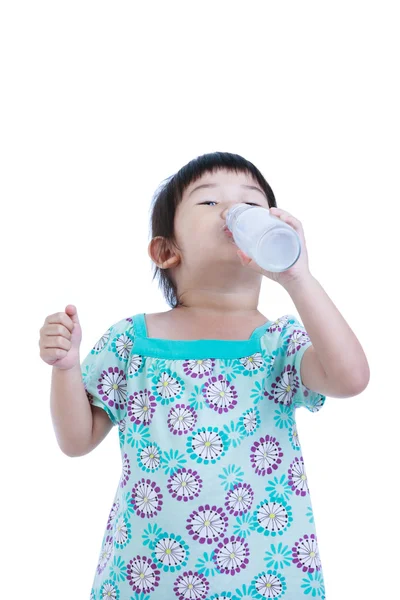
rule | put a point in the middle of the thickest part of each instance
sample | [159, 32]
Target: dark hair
[169, 195]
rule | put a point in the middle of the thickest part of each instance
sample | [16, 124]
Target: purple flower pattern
[184, 484]
[141, 407]
[239, 499]
[266, 455]
[207, 524]
[297, 478]
[231, 555]
[210, 467]
[181, 419]
[146, 498]
[220, 394]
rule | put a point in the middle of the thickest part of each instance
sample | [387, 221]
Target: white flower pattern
[212, 478]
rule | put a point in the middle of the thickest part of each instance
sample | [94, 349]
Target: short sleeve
[287, 386]
[104, 371]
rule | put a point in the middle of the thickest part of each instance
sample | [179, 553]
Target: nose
[224, 212]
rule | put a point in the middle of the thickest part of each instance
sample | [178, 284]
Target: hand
[60, 338]
[300, 268]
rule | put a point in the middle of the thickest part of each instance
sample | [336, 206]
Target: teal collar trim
[189, 349]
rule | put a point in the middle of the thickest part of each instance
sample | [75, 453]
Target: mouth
[227, 231]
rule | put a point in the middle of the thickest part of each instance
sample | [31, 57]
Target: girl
[213, 500]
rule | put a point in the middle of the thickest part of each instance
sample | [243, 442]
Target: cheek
[189, 240]
[191, 232]
[196, 234]
[195, 240]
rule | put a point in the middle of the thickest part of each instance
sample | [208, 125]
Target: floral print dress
[213, 501]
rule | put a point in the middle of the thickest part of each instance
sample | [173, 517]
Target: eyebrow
[211, 185]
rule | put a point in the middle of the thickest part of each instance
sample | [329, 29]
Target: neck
[201, 302]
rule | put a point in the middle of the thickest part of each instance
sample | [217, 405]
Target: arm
[336, 364]
[102, 426]
[79, 427]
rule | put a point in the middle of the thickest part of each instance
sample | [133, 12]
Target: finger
[244, 259]
[243, 254]
[285, 216]
[277, 210]
[61, 318]
[288, 217]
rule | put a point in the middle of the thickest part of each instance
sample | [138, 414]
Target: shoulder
[280, 331]
[124, 325]
[161, 324]
[128, 325]
[284, 325]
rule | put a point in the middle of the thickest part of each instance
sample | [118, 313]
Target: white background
[101, 101]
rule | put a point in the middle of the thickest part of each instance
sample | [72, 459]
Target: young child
[213, 500]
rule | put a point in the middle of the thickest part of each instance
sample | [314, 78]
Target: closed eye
[208, 202]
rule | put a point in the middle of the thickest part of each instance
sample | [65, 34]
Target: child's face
[200, 220]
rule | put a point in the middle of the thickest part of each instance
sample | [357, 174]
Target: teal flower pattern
[89, 374]
[150, 535]
[246, 592]
[257, 393]
[154, 368]
[270, 584]
[149, 457]
[205, 564]
[310, 514]
[270, 364]
[171, 552]
[135, 365]
[196, 398]
[231, 475]
[313, 585]
[272, 518]
[243, 526]
[207, 445]
[230, 368]
[249, 422]
[253, 365]
[205, 507]
[234, 432]
[279, 489]
[121, 346]
[168, 387]
[171, 461]
[109, 589]
[283, 417]
[278, 556]
[137, 435]
[126, 505]
[118, 569]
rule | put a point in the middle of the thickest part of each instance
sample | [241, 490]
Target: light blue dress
[213, 501]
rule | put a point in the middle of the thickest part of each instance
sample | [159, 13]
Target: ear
[161, 254]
